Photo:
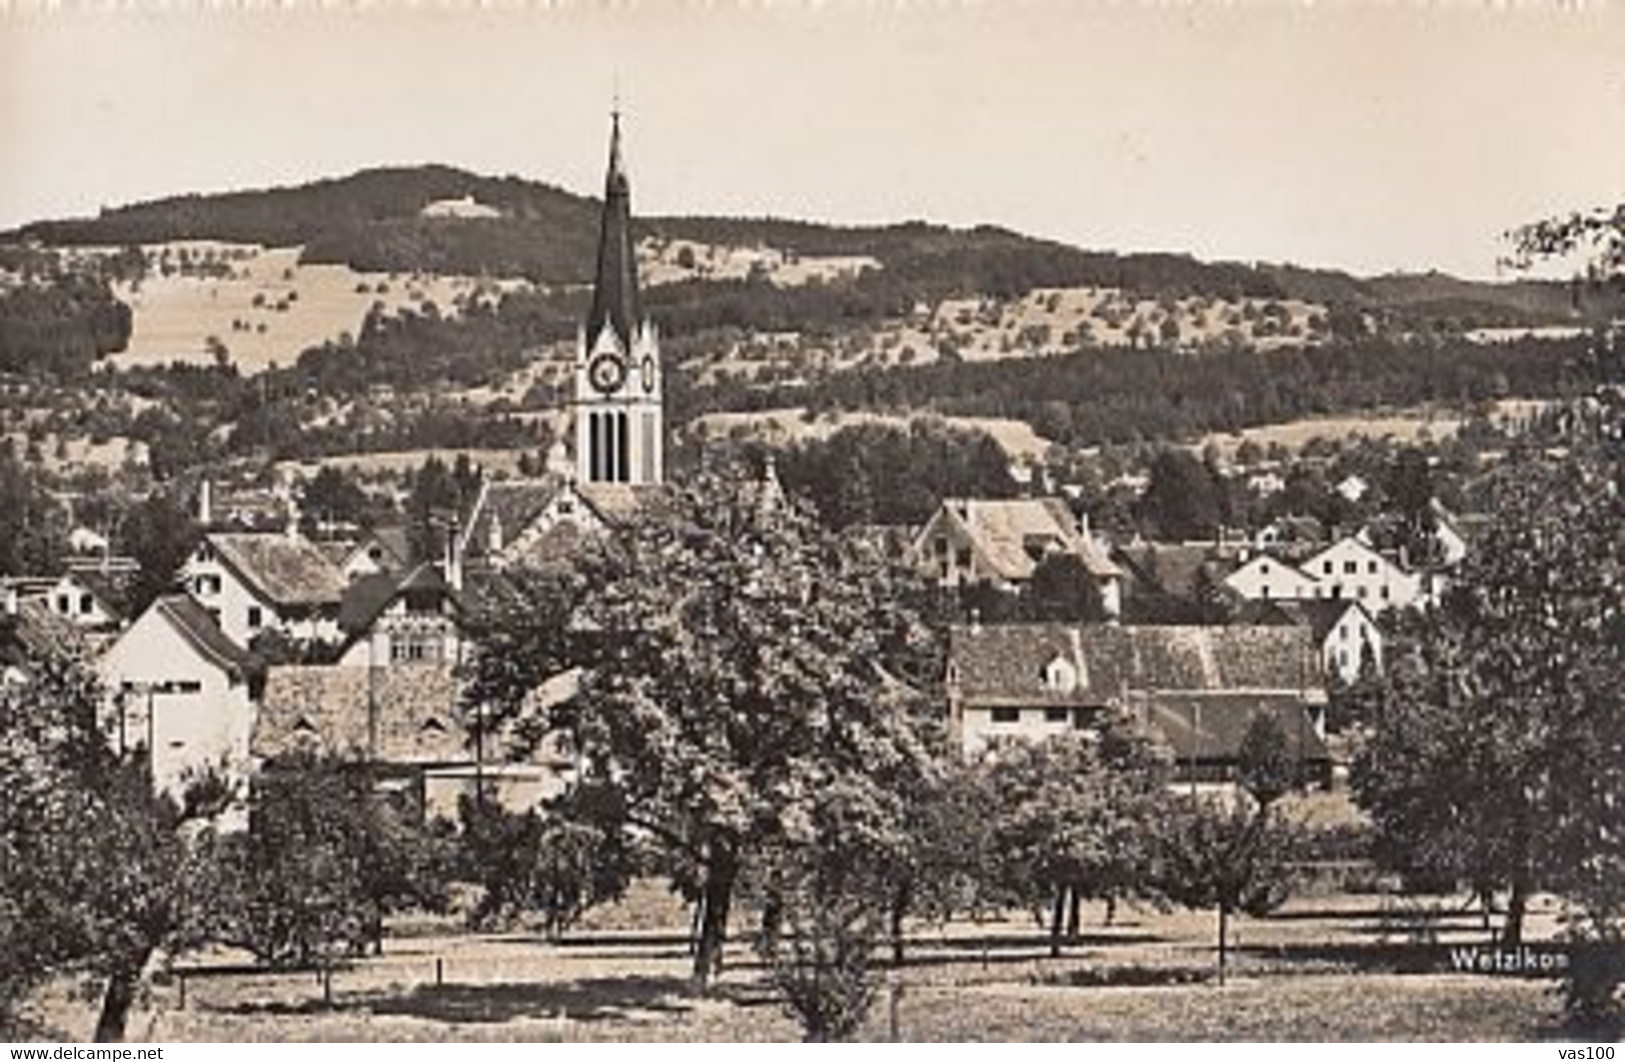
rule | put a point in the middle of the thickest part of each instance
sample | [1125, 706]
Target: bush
[821, 962]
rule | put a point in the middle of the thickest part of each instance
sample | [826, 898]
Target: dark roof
[1211, 726]
[370, 595]
[1320, 615]
[286, 571]
[1006, 663]
[199, 628]
[615, 286]
[366, 597]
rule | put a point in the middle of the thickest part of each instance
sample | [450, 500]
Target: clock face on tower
[606, 372]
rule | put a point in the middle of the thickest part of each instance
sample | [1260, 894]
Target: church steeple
[615, 287]
[619, 432]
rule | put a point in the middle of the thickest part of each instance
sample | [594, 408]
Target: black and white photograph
[602, 521]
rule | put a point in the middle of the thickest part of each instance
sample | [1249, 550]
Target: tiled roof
[1011, 534]
[511, 505]
[199, 628]
[1211, 726]
[1320, 615]
[1006, 663]
[287, 571]
[412, 712]
[366, 597]
[619, 503]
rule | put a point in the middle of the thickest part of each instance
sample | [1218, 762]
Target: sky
[1400, 136]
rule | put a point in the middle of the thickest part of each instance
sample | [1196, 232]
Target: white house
[1002, 541]
[87, 599]
[182, 691]
[1198, 687]
[1268, 578]
[252, 582]
[1347, 635]
[1351, 569]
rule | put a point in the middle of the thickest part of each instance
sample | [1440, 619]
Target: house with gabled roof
[183, 691]
[1002, 541]
[1349, 638]
[407, 618]
[383, 549]
[533, 520]
[1199, 687]
[411, 725]
[253, 582]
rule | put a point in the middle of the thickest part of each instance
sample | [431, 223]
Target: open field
[269, 308]
[782, 426]
[623, 976]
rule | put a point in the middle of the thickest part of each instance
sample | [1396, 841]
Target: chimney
[205, 503]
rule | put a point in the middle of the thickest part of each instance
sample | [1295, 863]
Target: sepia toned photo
[561, 522]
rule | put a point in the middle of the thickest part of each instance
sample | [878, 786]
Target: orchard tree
[1496, 747]
[738, 663]
[1225, 854]
[97, 873]
[324, 859]
[1078, 817]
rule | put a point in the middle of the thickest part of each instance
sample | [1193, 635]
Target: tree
[332, 497]
[1182, 500]
[159, 533]
[740, 664]
[1266, 767]
[1078, 816]
[1226, 855]
[98, 873]
[1063, 590]
[324, 859]
[1525, 648]
[557, 862]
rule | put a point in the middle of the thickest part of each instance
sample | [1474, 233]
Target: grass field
[1346, 967]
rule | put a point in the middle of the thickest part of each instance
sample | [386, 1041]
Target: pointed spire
[615, 287]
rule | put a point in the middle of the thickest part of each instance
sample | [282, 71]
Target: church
[618, 457]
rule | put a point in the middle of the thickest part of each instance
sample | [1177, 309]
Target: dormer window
[1059, 676]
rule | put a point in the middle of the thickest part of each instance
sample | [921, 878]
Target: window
[1055, 715]
[184, 686]
[1263, 568]
[1264, 591]
[414, 647]
[1351, 567]
[62, 604]
[1371, 567]
[566, 506]
[255, 617]
[1343, 631]
[1383, 592]
[1006, 715]
[962, 559]
[1360, 592]
[86, 604]
[207, 584]
[942, 547]
[1328, 567]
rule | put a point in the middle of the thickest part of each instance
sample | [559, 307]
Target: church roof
[615, 286]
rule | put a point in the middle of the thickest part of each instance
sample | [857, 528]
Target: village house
[1198, 687]
[407, 618]
[408, 721]
[182, 691]
[1002, 542]
[1349, 638]
[254, 582]
[88, 598]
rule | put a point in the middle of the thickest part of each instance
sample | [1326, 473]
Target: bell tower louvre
[619, 425]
